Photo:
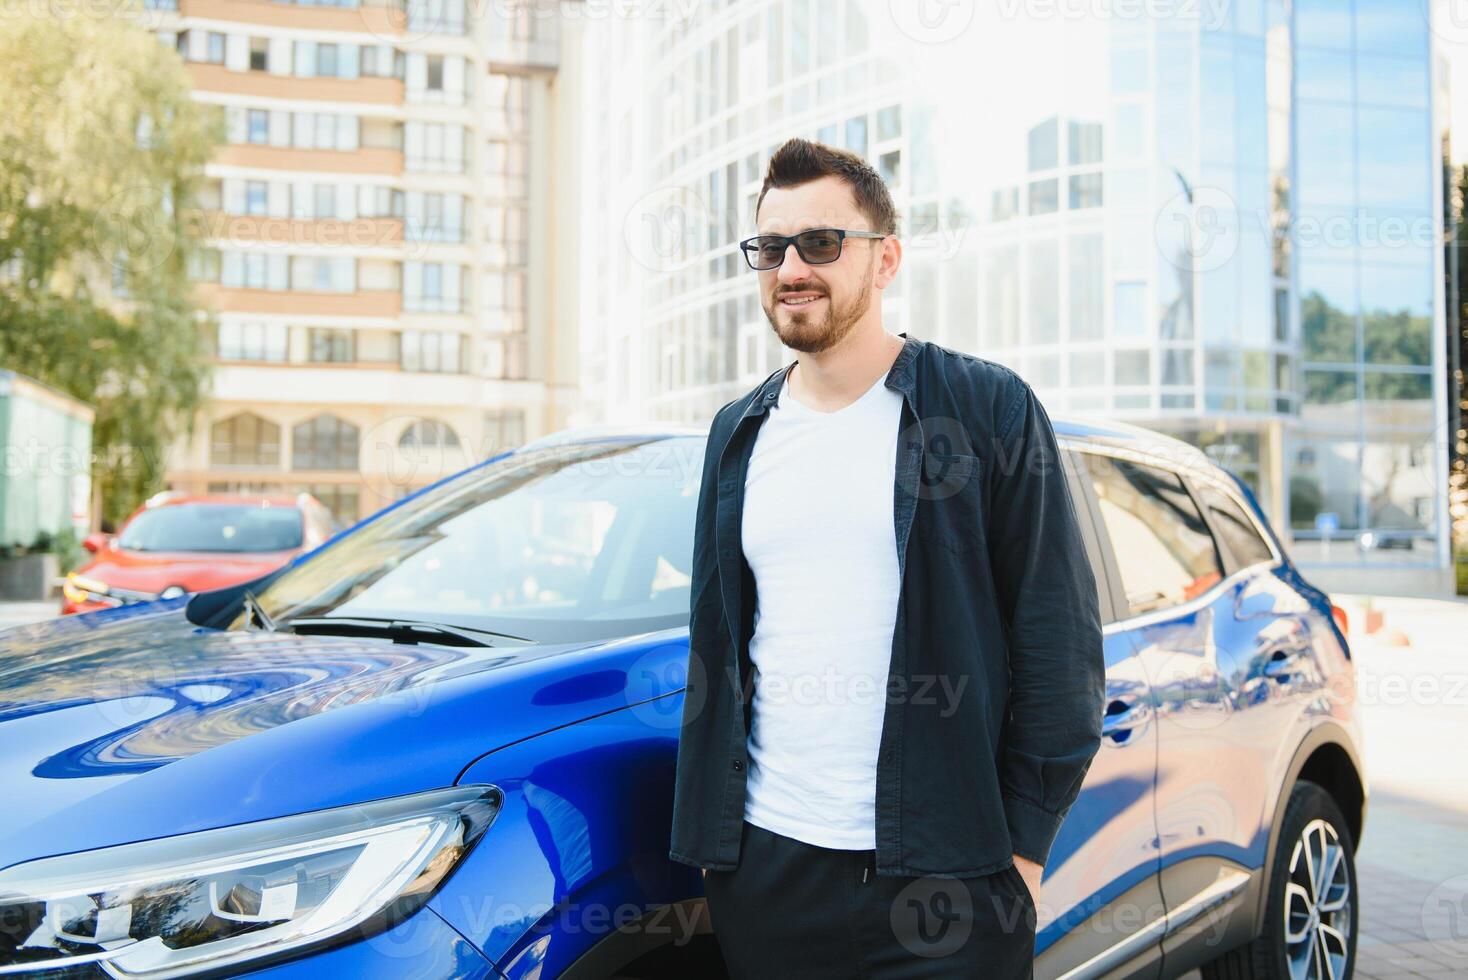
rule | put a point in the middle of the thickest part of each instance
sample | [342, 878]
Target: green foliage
[101, 157]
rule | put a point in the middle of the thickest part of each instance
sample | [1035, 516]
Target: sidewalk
[21, 613]
[1412, 685]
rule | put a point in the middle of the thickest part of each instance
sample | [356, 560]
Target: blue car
[442, 744]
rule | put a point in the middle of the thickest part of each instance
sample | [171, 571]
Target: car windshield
[565, 543]
[213, 528]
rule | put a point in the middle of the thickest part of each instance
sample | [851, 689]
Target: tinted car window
[213, 528]
[1238, 532]
[1163, 548]
[581, 541]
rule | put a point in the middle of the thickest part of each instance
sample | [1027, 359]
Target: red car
[176, 544]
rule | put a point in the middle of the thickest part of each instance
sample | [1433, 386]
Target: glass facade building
[1218, 220]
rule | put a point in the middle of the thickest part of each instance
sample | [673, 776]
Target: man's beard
[809, 336]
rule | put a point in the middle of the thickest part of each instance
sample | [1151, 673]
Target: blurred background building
[390, 269]
[1224, 224]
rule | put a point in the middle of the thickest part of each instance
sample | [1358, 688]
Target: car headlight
[79, 588]
[180, 905]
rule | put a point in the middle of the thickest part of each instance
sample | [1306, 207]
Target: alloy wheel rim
[1317, 905]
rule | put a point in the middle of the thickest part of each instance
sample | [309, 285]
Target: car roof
[167, 499]
[1123, 435]
[1107, 433]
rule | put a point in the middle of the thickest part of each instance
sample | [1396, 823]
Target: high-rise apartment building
[1218, 220]
[385, 256]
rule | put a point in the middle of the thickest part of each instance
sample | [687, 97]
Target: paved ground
[20, 613]
[1413, 864]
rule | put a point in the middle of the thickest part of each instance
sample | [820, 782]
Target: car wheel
[1310, 919]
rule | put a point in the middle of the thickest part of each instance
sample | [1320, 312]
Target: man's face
[812, 307]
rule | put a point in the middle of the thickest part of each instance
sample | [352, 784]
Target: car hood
[134, 723]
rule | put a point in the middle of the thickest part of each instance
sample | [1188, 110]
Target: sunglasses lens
[765, 253]
[819, 246]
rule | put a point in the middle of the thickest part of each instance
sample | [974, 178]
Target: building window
[434, 80]
[215, 54]
[434, 351]
[254, 270]
[244, 440]
[1085, 191]
[382, 62]
[252, 342]
[324, 443]
[1044, 196]
[259, 54]
[503, 429]
[332, 346]
[380, 202]
[259, 126]
[257, 197]
[324, 273]
[504, 301]
[504, 235]
[435, 217]
[428, 434]
[434, 147]
[1085, 143]
[433, 287]
[436, 16]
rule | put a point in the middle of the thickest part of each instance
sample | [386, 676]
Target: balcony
[365, 383]
[362, 303]
[367, 89]
[366, 160]
[356, 233]
[384, 20]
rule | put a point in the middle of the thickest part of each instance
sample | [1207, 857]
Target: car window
[1076, 467]
[207, 527]
[1163, 548]
[1239, 534]
[582, 541]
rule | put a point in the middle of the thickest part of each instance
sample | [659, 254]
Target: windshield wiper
[257, 612]
[398, 630]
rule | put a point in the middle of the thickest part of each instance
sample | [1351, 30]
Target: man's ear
[888, 260]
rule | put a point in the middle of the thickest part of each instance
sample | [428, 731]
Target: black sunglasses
[818, 246]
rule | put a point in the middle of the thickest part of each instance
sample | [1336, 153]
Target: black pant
[792, 909]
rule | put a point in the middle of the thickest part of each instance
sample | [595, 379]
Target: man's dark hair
[800, 161]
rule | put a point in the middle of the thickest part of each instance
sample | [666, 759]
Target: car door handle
[1123, 717]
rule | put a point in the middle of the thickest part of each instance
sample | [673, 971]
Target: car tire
[1299, 925]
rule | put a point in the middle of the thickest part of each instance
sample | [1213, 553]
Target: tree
[101, 158]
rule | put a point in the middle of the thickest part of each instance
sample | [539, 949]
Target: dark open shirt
[996, 686]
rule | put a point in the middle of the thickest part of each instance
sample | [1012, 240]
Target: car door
[1100, 893]
[1181, 614]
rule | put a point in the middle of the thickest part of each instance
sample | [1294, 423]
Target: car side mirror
[96, 541]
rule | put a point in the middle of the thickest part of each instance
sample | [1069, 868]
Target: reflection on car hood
[134, 722]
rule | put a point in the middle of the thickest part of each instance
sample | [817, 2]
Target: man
[895, 669]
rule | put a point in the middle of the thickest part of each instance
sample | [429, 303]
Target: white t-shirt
[818, 534]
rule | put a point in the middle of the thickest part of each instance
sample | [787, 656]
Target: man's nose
[793, 269]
